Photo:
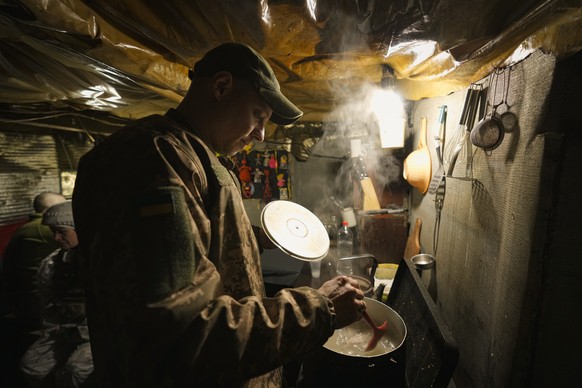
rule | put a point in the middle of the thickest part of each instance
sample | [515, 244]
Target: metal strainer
[489, 132]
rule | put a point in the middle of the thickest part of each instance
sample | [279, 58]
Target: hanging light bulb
[389, 111]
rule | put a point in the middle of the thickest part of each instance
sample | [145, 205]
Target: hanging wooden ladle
[417, 167]
[489, 132]
[378, 331]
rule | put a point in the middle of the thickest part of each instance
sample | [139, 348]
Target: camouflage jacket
[175, 295]
[62, 300]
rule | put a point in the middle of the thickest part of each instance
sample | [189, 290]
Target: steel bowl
[423, 261]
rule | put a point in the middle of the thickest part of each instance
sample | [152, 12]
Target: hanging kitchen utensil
[467, 151]
[489, 132]
[439, 201]
[440, 141]
[417, 169]
[457, 141]
[295, 230]
[413, 241]
[466, 120]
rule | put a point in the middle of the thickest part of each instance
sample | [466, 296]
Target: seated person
[62, 356]
[28, 246]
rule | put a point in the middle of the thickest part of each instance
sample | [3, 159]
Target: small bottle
[330, 260]
[345, 248]
[332, 231]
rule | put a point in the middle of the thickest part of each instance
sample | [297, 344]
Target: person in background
[28, 246]
[61, 357]
[175, 294]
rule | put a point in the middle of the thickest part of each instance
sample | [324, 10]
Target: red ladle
[378, 331]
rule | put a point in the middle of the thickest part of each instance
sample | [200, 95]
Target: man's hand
[347, 298]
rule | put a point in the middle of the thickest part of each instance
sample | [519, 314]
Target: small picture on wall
[68, 182]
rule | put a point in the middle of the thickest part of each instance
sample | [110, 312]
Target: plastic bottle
[332, 228]
[345, 248]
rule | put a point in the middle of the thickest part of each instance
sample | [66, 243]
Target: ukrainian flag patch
[156, 204]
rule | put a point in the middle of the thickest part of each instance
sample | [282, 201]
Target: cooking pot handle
[364, 256]
[380, 291]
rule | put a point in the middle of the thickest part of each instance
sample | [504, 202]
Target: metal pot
[333, 365]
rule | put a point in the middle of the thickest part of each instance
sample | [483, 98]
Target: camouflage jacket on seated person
[61, 291]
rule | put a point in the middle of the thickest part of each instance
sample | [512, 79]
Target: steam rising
[356, 119]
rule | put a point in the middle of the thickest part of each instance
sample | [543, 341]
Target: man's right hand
[347, 298]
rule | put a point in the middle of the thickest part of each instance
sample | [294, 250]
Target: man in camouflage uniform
[175, 293]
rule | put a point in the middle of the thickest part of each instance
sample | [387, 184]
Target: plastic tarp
[130, 57]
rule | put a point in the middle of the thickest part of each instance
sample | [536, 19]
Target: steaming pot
[332, 365]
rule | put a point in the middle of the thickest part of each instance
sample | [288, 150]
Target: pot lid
[295, 230]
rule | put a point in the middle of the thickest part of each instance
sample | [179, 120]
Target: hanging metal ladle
[489, 132]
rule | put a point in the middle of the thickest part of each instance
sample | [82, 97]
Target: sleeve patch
[155, 205]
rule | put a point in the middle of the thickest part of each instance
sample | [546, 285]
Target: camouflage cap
[241, 60]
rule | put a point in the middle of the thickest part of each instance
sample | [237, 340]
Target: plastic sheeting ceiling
[130, 58]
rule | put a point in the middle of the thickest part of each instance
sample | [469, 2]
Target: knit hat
[241, 60]
[59, 215]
